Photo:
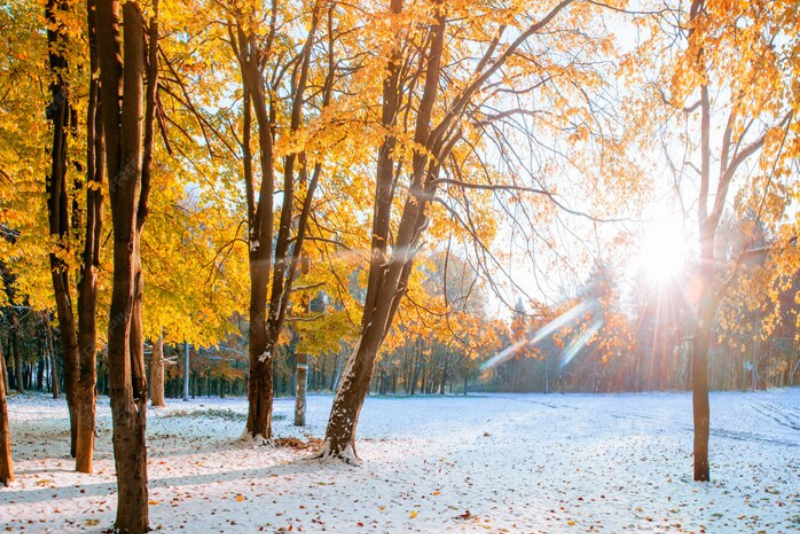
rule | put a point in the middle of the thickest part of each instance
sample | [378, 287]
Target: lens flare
[577, 344]
[563, 319]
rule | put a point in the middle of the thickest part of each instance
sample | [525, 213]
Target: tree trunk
[40, 374]
[546, 375]
[443, 379]
[157, 374]
[19, 383]
[416, 362]
[260, 386]
[300, 397]
[700, 400]
[87, 285]
[59, 112]
[350, 396]
[260, 229]
[53, 359]
[707, 305]
[185, 371]
[48, 362]
[128, 171]
[6, 464]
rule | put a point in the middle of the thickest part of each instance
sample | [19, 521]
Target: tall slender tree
[263, 61]
[736, 63]
[157, 374]
[6, 464]
[63, 118]
[122, 62]
[78, 336]
[90, 258]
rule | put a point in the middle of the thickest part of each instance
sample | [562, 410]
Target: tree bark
[6, 464]
[157, 374]
[260, 386]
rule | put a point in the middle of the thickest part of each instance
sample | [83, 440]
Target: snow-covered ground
[496, 463]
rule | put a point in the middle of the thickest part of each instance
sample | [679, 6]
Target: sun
[663, 251]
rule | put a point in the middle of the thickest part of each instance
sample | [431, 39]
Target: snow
[518, 463]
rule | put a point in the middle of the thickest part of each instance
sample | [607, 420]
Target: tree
[128, 160]
[439, 105]
[90, 258]
[186, 371]
[64, 119]
[301, 369]
[157, 374]
[6, 465]
[275, 259]
[78, 337]
[738, 62]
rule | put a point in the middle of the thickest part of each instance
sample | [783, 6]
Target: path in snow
[518, 463]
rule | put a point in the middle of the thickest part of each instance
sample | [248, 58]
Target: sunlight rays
[559, 322]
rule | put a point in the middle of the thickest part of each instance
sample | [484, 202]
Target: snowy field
[497, 463]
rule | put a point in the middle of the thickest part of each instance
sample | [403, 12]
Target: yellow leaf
[240, 497]
[413, 514]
